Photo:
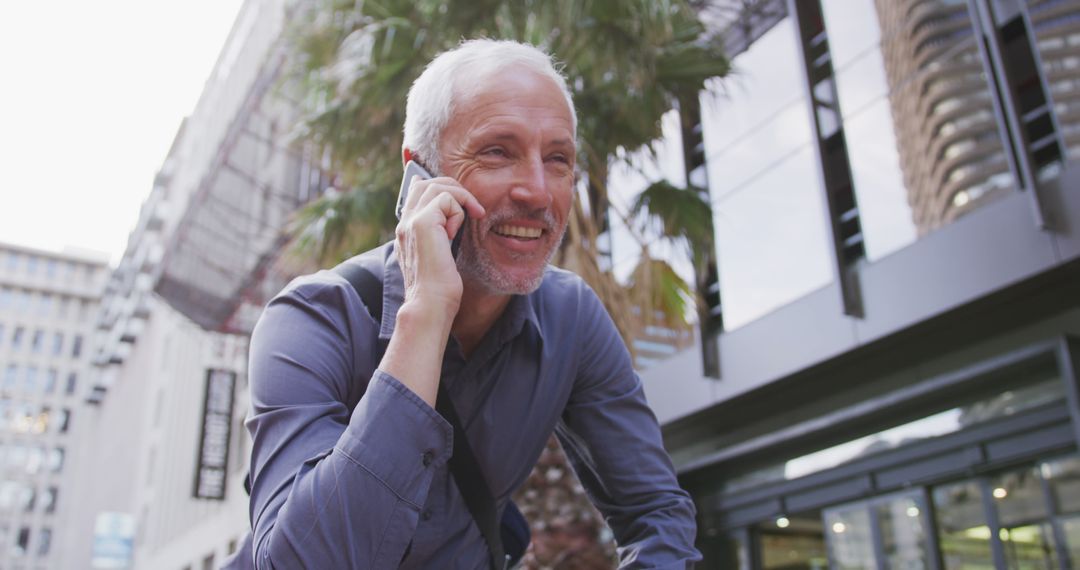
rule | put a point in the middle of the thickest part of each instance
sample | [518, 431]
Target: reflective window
[72, 380]
[56, 459]
[798, 543]
[11, 374]
[48, 500]
[22, 541]
[44, 542]
[1057, 38]
[1026, 536]
[850, 538]
[1071, 529]
[31, 379]
[50, 381]
[58, 343]
[17, 338]
[917, 115]
[963, 533]
[768, 207]
[903, 534]
[1064, 478]
[38, 340]
[1035, 393]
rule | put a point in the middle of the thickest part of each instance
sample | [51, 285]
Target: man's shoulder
[329, 285]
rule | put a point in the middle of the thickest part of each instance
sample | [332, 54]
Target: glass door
[888, 532]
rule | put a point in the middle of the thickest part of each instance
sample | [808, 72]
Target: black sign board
[211, 465]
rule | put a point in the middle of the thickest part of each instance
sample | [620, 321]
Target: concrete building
[47, 305]
[898, 377]
[169, 452]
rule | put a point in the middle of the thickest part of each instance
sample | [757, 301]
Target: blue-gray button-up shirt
[349, 467]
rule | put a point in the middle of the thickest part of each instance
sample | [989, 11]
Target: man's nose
[530, 184]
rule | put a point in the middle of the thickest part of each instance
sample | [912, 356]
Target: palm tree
[628, 63]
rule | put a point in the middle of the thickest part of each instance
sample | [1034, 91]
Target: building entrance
[1023, 518]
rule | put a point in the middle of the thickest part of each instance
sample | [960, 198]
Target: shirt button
[426, 515]
[428, 457]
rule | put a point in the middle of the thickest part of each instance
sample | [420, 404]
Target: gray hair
[432, 96]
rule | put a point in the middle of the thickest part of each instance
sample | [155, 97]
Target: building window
[65, 420]
[16, 339]
[72, 379]
[38, 340]
[34, 455]
[13, 261]
[22, 542]
[44, 542]
[48, 500]
[208, 562]
[31, 379]
[50, 381]
[10, 376]
[31, 264]
[58, 343]
[45, 305]
[41, 423]
[76, 346]
[29, 499]
[2, 331]
[56, 460]
[5, 297]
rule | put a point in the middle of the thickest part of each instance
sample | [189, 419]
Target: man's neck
[477, 313]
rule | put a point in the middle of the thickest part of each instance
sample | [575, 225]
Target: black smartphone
[412, 168]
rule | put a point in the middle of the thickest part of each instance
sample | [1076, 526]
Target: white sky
[91, 97]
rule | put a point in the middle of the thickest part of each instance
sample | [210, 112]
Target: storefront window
[1064, 478]
[1026, 538]
[903, 535]
[851, 542]
[1071, 530]
[963, 533]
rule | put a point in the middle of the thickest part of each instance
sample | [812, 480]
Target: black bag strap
[463, 465]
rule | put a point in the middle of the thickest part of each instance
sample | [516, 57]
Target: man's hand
[432, 215]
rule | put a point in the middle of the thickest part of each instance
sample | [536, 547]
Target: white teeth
[518, 231]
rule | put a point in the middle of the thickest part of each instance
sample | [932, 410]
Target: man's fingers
[424, 191]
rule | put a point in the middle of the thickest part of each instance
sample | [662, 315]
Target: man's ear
[406, 156]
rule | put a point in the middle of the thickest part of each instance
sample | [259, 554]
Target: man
[349, 462]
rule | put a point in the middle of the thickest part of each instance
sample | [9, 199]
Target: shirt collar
[519, 311]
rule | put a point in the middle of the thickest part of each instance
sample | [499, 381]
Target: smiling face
[511, 143]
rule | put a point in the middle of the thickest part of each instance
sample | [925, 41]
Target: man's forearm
[415, 353]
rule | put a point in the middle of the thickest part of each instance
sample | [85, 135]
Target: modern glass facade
[930, 420]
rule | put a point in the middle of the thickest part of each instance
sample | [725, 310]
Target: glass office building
[896, 188]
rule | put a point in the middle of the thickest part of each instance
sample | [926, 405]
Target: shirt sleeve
[333, 488]
[613, 441]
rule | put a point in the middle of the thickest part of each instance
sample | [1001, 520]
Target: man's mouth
[518, 232]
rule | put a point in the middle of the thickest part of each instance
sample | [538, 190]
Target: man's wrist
[421, 318]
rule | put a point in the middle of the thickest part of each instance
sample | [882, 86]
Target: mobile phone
[412, 168]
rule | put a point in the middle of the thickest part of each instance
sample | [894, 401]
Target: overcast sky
[93, 93]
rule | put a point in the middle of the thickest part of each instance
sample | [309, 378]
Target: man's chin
[507, 278]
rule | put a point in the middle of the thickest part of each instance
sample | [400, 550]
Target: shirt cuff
[397, 437]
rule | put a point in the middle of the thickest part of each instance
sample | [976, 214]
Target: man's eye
[494, 151]
[559, 158]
